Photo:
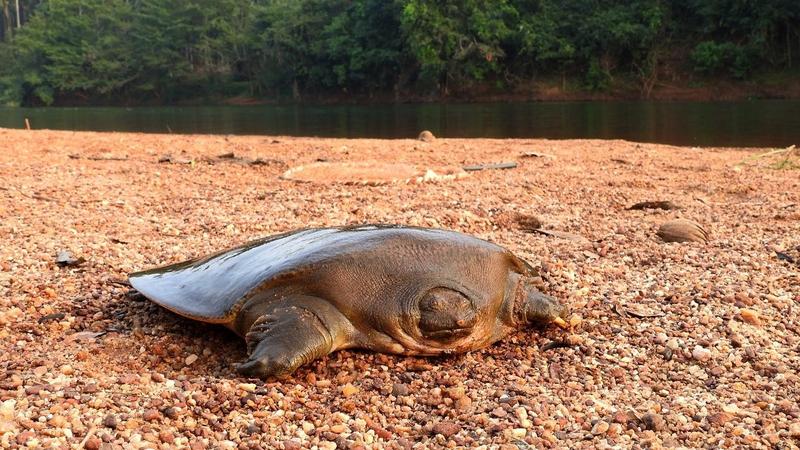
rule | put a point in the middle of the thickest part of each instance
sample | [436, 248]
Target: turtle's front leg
[290, 334]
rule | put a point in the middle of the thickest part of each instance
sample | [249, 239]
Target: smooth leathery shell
[682, 230]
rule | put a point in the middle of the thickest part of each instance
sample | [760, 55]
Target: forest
[57, 52]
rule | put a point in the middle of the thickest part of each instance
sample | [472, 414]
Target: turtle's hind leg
[292, 333]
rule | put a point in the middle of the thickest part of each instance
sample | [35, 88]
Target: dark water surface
[758, 123]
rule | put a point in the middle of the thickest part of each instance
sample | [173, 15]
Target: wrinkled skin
[302, 295]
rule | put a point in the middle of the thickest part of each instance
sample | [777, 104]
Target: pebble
[600, 427]
[151, 415]
[446, 428]
[247, 387]
[110, 421]
[794, 430]
[701, 353]
[654, 422]
[348, 390]
[190, 359]
[171, 413]
[751, 317]
[399, 389]
[93, 443]
[292, 445]
[720, 418]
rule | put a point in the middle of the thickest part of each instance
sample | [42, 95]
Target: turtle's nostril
[461, 322]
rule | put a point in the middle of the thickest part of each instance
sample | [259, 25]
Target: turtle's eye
[446, 315]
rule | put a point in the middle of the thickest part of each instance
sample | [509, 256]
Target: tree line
[162, 51]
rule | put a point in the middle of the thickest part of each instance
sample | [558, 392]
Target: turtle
[298, 296]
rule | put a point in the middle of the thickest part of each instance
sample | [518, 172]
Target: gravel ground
[679, 345]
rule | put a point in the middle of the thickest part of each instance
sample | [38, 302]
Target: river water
[757, 123]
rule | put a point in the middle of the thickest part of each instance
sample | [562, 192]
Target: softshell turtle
[298, 296]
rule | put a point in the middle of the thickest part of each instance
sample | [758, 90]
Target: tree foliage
[167, 50]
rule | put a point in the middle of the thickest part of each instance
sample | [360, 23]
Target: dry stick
[27, 124]
[87, 437]
[788, 150]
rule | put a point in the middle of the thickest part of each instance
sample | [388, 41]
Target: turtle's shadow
[131, 314]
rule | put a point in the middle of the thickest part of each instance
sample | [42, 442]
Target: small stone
[600, 427]
[291, 445]
[456, 392]
[720, 418]
[190, 359]
[166, 437]
[701, 353]
[327, 445]
[23, 437]
[7, 409]
[247, 387]
[400, 389]
[151, 415]
[171, 413]
[614, 429]
[110, 421]
[348, 390]
[794, 430]
[426, 136]
[518, 433]
[93, 443]
[66, 369]
[751, 317]
[446, 428]
[57, 421]
[499, 412]
[463, 403]
[653, 422]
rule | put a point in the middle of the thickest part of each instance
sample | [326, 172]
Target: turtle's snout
[540, 308]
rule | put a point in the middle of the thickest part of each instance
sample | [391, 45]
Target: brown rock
[166, 437]
[600, 427]
[456, 392]
[399, 389]
[720, 418]
[151, 415]
[291, 445]
[682, 230]
[426, 136]
[110, 421]
[93, 443]
[751, 317]
[171, 412]
[654, 422]
[446, 428]
[23, 437]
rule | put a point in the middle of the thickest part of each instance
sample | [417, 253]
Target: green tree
[73, 47]
[457, 41]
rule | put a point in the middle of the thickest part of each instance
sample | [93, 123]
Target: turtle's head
[532, 307]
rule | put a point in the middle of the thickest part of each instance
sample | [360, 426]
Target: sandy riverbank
[83, 363]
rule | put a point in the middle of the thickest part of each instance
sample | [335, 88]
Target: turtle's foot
[282, 341]
[268, 361]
